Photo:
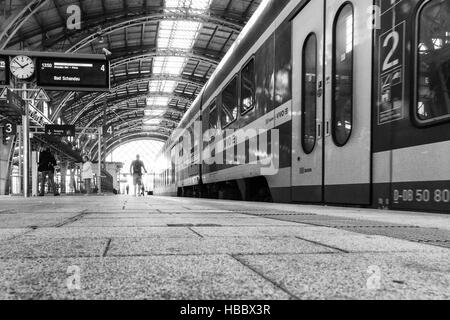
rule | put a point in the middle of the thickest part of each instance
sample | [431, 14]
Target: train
[329, 102]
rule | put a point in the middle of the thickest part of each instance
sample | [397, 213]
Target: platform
[170, 248]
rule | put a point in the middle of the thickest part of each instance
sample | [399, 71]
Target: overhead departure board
[4, 71]
[73, 74]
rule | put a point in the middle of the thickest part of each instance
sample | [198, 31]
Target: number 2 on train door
[388, 62]
[391, 48]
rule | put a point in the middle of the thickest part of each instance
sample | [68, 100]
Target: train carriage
[349, 100]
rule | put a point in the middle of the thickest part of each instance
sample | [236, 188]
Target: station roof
[163, 53]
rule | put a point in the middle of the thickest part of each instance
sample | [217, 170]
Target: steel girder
[118, 103]
[19, 20]
[125, 84]
[164, 53]
[136, 21]
[128, 111]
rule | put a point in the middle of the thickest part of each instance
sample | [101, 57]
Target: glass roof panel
[180, 34]
[152, 122]
[157, 101]
[155, 112]
[165, 86]
[168, 65]
[200, 5]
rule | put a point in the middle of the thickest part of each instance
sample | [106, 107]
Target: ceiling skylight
[164, 86]
[157, 112]
[180, 34]
[172, 34]
[152, 122]
[157, 101]
[168, 65]
[197, 5]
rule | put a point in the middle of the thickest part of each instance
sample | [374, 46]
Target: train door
[347, 110]
[307, 144]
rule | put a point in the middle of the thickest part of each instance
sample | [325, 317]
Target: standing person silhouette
[87, 174]
[136, 170]
[47, 163]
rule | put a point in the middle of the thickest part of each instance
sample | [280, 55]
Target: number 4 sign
[108, 130]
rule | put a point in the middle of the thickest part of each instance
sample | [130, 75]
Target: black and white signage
[9, 128]
[73, 74]
[4, 71]
[108, 130]
[60, 130]
[391, 91]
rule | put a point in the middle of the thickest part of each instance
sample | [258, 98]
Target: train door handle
[327, 130]
[319, 130]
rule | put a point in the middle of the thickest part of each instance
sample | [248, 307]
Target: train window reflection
[229, 103]
[342, 122]
[433, 61]
[213, 116]
[309, 93]
[248, 87]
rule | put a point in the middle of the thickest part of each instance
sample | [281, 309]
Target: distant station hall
[224, 150]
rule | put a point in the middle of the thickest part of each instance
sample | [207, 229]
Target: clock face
[22, 67]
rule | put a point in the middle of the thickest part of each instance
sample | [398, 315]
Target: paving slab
[6, 234]
[114, 232]
[423, 219]
[31, 221]
[153, 246]
[251, 231]
[157, 215]
[175, 220]
[358, 276]
[162, 277]
[118, 215]
[32, 247]
[355, 242]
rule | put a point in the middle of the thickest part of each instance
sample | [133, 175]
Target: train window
[342, 89]
[433, 62]
[213, 116]
[309, 94]
[229, 103]
[248, 84]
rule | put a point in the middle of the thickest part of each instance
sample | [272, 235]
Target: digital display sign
[73, 74]
[60, 130]
[4, 71]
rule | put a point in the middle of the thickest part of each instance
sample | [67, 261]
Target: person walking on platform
[87, 174]
[46, 167]
[136, 170]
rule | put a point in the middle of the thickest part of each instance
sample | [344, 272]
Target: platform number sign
[108, 130]
[391, 88]
[9, 129]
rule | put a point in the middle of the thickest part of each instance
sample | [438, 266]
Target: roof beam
[136, 21]
[10, 31]
[164, 53]
[121, 85]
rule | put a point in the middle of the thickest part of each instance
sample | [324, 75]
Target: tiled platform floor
[119, 247]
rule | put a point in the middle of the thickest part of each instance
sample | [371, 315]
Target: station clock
[22, 67]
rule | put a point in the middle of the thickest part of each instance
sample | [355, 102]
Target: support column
[63, 169]
[26, 144]
[4, 165]
[99, 180]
